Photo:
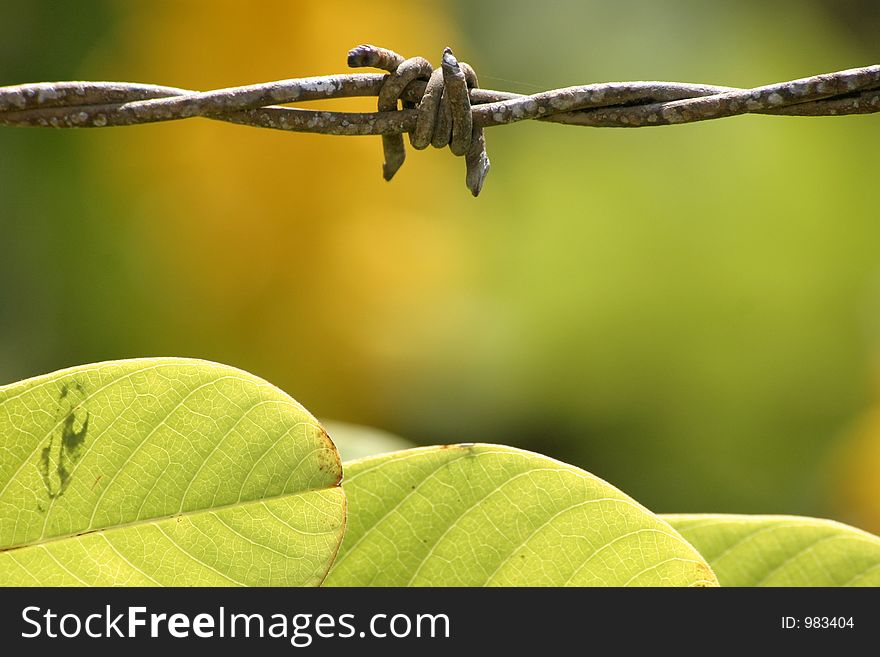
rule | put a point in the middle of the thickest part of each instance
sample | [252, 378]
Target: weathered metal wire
[442, 107]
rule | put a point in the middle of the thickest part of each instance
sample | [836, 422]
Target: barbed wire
[442, 107]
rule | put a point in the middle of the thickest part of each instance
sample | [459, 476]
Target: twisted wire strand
[440, 107]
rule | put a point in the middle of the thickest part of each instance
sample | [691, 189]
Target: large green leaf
[475, 515]
[164, 472]
[782, 550]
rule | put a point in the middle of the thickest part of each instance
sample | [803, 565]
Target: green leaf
[355, 441]
[475, 515]
[782, 550]
[163, 472]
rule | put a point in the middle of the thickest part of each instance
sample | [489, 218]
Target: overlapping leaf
[163, 472]
[355, 441]
[782, 550]
[475, 515]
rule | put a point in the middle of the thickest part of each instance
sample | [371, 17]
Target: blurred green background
[690, 312]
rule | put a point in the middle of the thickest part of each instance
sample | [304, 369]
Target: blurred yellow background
[690, 312]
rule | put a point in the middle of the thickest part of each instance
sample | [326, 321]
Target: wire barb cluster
[444, 110]
[440, 107]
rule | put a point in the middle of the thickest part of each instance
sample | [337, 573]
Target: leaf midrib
[158, 519]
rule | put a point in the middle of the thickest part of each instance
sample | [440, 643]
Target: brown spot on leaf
[328, 458]
[463, 446]
[61, 453]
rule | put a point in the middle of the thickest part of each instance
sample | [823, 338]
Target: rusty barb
[443, 107]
